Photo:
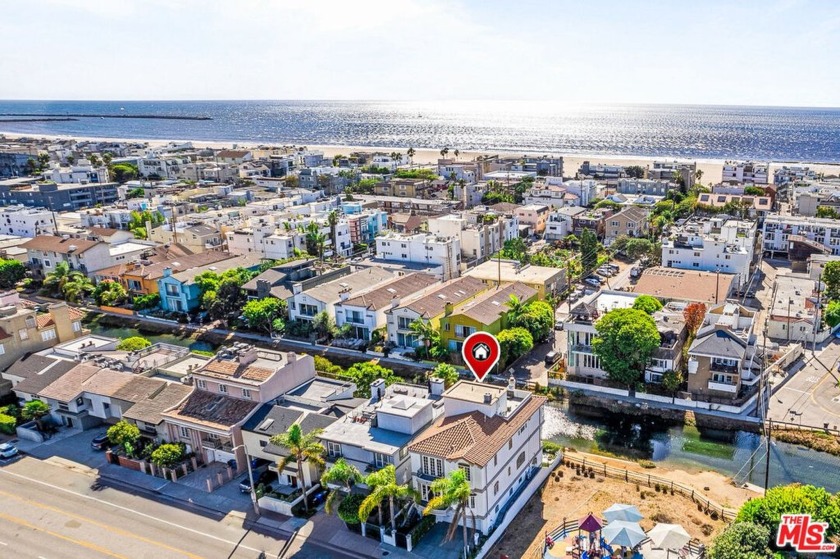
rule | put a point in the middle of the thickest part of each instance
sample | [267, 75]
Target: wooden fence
[709, 507]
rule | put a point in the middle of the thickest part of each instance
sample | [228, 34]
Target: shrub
[647, 464]
[167, 455]
[134, 343]
[325, 365]
[348, 510]
[125, 435]
[7, 424]
[551, 447]
[144, 302]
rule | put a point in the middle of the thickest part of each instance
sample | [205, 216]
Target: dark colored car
[100, 442]
[266, 478]
[551, 358]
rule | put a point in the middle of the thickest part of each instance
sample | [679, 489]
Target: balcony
[721, 368]
[421, 474]
[723, 387]
[582, 348]
[217, 444]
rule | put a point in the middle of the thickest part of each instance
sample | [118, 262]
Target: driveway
[72, 447]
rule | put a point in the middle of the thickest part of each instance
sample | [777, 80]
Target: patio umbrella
[618, 511]
[621, 532]
[668, 536]
[590, 523]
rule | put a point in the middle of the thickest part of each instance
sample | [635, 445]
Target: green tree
[430, 344]
[124, 435]
[767, 511]
[514, 343]
[672, 381]
[138, 192]
[261, 314]
[144, 302]
[588, 251]
[635, 171]
[384, 486]
[315, 240]
[123, 172]
[109, 293]
[636, 248]
[832, 313]
[410, 153]
[137, 222]
[753, 191]
[324, 325]
[77, 287]
[831, 278]
[453, 491]
[133, 343]
[363, 374]
[647, 303]
[343, 474]
[35, 410]
[447, 372]
[301, 447]
[55, 281]
[11, 272]
[516, 309]
[515, 249]
[626, 340]
[167, 455]
[742, 540]
[538, 319]
[827, 212]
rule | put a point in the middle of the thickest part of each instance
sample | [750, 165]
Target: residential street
[49, 512]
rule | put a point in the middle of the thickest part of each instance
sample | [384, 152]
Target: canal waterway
[733, 453]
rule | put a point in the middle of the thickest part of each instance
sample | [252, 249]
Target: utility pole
[768, 430]
[817, 314]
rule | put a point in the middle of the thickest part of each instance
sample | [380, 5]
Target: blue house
[179, 292]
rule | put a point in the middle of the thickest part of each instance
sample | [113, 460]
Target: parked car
[558, 325]
[266, 478]
[551, 358]
[593, 282]
[635, 272]
[613, 267]
[601, 281]
[100, 442]
[8, 450]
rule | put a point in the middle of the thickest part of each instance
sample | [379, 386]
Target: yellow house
[141, 277]
[485, 313]
[545, 280]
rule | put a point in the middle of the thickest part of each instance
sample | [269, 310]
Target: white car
[593, 282]
[8, 450]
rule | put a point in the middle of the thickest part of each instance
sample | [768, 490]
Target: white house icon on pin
[481, 352]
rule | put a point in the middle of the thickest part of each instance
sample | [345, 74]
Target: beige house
[632, 221]
[534, 216]
[25, 330]
[722, 360]
[404, 188]
[196, 237]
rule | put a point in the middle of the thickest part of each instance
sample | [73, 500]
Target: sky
[766, 52]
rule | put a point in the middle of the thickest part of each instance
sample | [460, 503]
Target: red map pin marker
[481, 353]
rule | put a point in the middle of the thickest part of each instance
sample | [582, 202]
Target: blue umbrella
[627, 513]
[620, 532]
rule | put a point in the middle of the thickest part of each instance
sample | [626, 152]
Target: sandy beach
[711, 168]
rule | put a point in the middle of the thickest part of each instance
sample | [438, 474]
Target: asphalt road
[49, 512]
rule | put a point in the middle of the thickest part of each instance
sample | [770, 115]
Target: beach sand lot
[573, 497]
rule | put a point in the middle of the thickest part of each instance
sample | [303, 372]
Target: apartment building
[26, 222]
[403, 188]
[580, 331]
[712, 245]
[722, 360]
[786, 234]
[632, 221]
[666, 170]
[480, 234]
[545, 280]
[492, 434]
[745, 172]
[553, 196]
[81, 173]
[533, 216]
[429, 250]
[648, 187]
[60, 197]
[324, 293]
[365, 313]
[44, 252]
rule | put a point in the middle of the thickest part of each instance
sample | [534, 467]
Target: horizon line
[570, 103]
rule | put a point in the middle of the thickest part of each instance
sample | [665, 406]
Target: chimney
[344, 295]
[436, 386]
[167, 272]
[63, 324]
[377, 390]
[263, 289]
[511, 383]
[248, 356]
[447, 308]
[488, 398]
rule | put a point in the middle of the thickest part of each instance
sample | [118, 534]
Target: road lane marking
[108, 527]
[81, 543]
[132, 511]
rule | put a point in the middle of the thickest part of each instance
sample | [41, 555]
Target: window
[48, 335]
[171, 289]
[432, 466]
[472, 501]
[202, 384]
[77, 326]
[381, 460]
[510, 444]
[495, 488]
[47, 264]
[184, 432]
[23, 334]
[466, 469]
[30, 322]
[520, 460]
[246, 393]
[403, 450]
[223, 388]
[263, 444]
[333, 449]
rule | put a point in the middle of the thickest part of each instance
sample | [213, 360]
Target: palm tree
[106, 158]
[301, 447]
[344, 474]
[516, 309]
[332, 220]
[76, 287]
[56, 279]
[410, 153]
[94, 160]
[444, 151]
[453, 490]
[456, 153]
[315, 240]
[423, 330]
[698, 174]
[384, 486]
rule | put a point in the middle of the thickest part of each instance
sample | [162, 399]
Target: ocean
[685, 131]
